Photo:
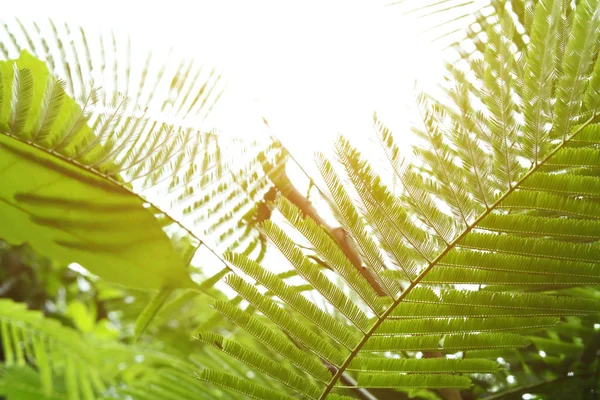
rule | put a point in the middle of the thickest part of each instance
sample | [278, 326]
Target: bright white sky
[312, 68]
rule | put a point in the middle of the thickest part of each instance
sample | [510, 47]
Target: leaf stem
[150, 311]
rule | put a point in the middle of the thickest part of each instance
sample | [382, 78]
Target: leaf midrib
[100, 175]
[437, 259]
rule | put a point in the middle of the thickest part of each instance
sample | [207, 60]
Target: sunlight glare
[312, 69]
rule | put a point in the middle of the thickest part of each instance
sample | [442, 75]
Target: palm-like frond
[46, 360]
[180, 173]
[60, 355]
[168, 87]
[228, 201]
[143, 117]
[59, 195]
[461, 26]
[498, 199]
[445, 20]
[129, 177]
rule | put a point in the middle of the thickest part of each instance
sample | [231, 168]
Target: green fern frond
[424, 302]
[261, 363]
[539, 78]
[424, 365]
[295, 300]
[567, 183]
[504, 193]
[243, 386]
[592, 93]
[57, 352]
[389, 217]
[71, 211]
[414, 196]
[54, 97]
[22, 97]
[499, 72]
[79, 57]
[147, 149]
[438, 157]
[285, 321]
[314, 276]
[444, 21]
[349, 216]
[413, 381]
[486, 261]
[529, 225]
[580, 55]
[303, 360]
[556, 347]
[449, 343]
[575, 157]
[339, 397]
[449, 325]
[494, 200]
[589, 135]
[541, 248]
[327, 249]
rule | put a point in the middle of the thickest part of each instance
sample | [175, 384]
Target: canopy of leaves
[478, 259]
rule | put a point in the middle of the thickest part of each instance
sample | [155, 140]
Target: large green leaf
[65, 206]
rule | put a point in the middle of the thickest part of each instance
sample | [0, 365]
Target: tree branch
[339, 234]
